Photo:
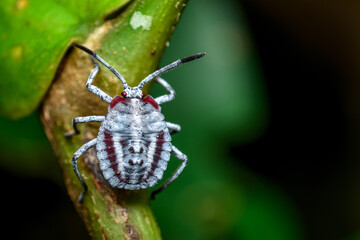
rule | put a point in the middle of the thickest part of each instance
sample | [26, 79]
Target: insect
[134, 143]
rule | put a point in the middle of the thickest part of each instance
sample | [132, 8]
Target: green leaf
[34, 37]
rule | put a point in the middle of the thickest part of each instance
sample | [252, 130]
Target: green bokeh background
[221, 100]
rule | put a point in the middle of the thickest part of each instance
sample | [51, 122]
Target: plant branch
[132, 43]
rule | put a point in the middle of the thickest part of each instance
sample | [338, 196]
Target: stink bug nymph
[134, 143]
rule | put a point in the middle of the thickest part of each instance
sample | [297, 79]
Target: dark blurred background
[270, 123]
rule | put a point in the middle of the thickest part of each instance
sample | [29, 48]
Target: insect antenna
[116, 73]
[168, 68]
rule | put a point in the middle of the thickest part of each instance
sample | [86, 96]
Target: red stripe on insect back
[157, 153]
[149, 99]
[116, 100]
[110, 150]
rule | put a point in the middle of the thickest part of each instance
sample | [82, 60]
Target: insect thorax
[133, 145]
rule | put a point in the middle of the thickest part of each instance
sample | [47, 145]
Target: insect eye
[123, 93]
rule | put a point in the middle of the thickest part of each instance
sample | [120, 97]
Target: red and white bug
[134, 143]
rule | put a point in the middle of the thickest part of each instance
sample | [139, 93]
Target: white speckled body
[133, 144]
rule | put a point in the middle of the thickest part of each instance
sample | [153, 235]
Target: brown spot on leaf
[108, 207]
[21, 4]
[104, 233]
[131, 233]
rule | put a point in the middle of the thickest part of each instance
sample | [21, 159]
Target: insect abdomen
[133, 146]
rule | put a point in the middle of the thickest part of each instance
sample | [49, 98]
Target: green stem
[133, 43]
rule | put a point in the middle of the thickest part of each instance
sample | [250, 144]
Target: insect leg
[167, 97]
[173, 127]
[93, 89]
[83, 120]
[183, 158]
[77, 154]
